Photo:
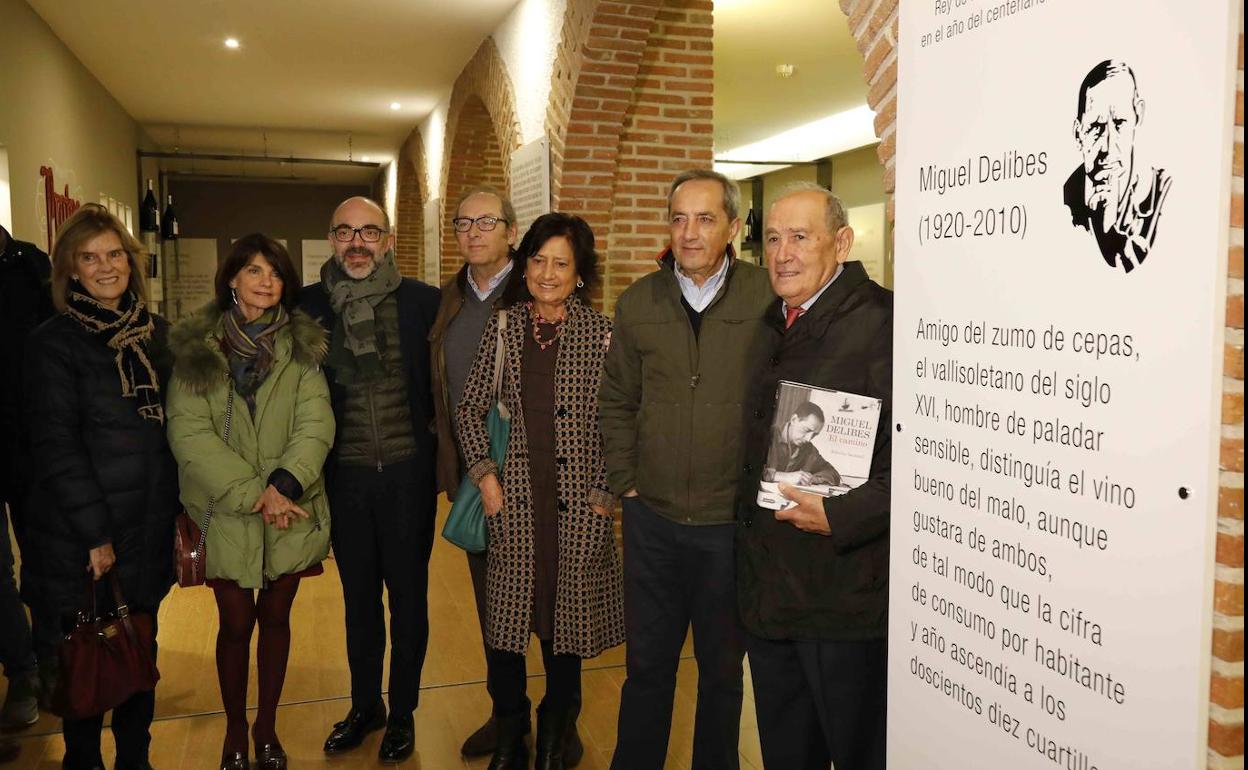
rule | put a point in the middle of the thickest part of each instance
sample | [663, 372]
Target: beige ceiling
[315, 78]
[310, 72]
[751, 38]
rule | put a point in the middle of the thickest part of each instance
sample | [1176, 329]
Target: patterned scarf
[249, 347]
[354, 346]
[127, 330]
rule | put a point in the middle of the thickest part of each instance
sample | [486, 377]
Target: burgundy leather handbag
[105, 659]
[189, 542]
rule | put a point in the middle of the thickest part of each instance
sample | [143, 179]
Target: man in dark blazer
[380, 473]
[812, 581]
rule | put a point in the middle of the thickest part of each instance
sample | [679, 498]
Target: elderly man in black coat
[812, 581]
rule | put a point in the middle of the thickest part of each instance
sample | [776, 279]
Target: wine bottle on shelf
[751, 228]
[149, 212]
[169, 222]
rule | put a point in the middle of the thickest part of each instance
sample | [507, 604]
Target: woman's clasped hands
[277, 509]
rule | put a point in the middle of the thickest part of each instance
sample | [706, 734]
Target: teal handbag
[465, 525]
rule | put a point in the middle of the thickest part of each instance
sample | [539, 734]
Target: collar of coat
[840, 297]
[196, 343]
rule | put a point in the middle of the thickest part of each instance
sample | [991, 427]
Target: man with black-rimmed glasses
[380, 472]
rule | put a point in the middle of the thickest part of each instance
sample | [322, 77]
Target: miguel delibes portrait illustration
[1112, 194]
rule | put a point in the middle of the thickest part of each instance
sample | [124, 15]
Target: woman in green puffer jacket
[251, 362]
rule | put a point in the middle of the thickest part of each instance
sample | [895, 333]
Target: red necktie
[791, 314]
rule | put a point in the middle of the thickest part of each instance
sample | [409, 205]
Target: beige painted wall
[53, 112]
[858, 179]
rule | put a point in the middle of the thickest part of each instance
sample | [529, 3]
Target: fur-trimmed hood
[199, 362]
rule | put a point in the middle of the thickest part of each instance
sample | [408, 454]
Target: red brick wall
[409, 245]
[476, 159]
[1226, 717]
[874, 25]
[481, 134]
[641, 113]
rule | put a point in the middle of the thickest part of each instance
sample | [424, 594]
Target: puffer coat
[292, 428]
[100, 472]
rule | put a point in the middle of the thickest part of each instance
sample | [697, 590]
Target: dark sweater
[463, 339]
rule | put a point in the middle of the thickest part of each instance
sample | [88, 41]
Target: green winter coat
[292, 428]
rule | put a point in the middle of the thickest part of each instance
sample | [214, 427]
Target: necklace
[537, 337]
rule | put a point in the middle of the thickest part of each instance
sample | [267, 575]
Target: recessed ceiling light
[231, 43]
[364, 158]
[784, 70]
[395, 106]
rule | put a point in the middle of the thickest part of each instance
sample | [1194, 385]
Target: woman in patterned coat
[553, 566]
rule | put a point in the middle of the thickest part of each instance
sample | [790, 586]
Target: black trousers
[508, 679]
[17, 654]
[478, 568]
[382, 534]
[131, 724]
[820, 703]
[676, 576]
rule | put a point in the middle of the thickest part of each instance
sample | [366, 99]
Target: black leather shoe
[350, 732]
[235, 761]
[270, 756]
[399, 741]
[483, 741]
[9, 750]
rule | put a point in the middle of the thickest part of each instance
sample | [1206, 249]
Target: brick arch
[635, 82]
[481, 133]
[412, 193]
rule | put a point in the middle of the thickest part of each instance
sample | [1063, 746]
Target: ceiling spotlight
[395, 106]
[364, 158]
[232, 43]
[784, 70]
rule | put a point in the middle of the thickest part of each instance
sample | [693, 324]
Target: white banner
[1063, 173]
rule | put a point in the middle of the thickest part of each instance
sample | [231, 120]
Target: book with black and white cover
[821, 442]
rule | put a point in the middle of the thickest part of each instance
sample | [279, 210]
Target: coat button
[563, 506]
[561, 460]
[747, 468]
[758, 414]
[748, 522]
[562, 411]
[775, 360]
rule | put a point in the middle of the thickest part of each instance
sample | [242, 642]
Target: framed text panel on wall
[1063, 187]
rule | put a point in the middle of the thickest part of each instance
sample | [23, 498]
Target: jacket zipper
[372, 422]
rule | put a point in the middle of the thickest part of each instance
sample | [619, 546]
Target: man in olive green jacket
[671, 416]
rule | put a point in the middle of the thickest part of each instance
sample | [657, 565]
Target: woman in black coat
[105, 483]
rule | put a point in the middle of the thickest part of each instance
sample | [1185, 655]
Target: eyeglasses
[484, 224]
[368, 233]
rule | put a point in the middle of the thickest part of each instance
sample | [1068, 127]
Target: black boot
[483, 741]
[511, 753]
[552, 728]
[573, 749]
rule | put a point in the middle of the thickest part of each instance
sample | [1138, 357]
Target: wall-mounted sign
[1061, 245]
[315, 253]
[530, 183]
[433, 243]
[58, 206]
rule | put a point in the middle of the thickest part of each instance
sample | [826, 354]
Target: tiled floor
[189, 723]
